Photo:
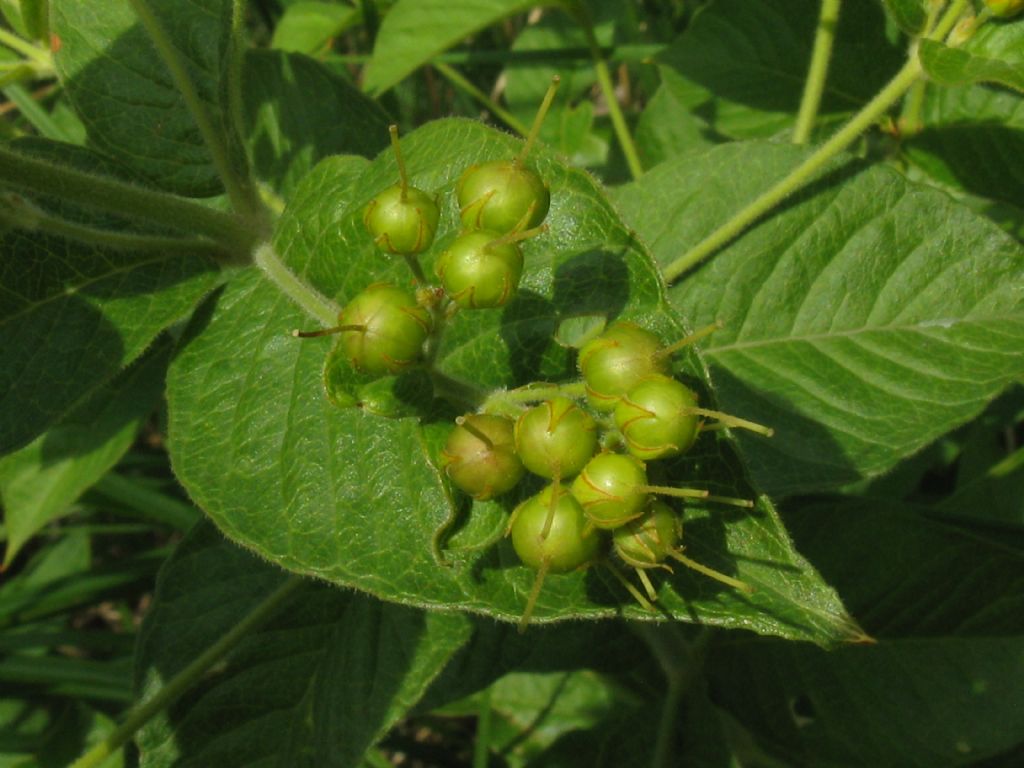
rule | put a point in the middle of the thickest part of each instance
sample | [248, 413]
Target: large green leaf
[994, 54]
[863, 319]
[973, 138]
[124, 93]
[39, 482]
[316, 686]
[309, 27]
[414, 31]
[358, 499]
[945, 673]
[72, 316]
[741, 66]
[298, 112]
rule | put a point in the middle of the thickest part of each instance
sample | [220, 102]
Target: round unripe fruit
[555, 438]
[393, 330]
[656, 418]
[1005, 8]
[402, 225]
[648, 540]
[616, 361]
[499, 195]
[478, 271]
[480, 456]
[570, 543]
[608, 489]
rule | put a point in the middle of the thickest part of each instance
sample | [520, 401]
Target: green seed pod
[609, 489]
[402, 220]
[556, 438]
[480, 270]
[569, 543]
[383, 329]
[648, 540]
[614, 362]
[502, 196]
[656, 418]
[1004, 9]
[480, 456]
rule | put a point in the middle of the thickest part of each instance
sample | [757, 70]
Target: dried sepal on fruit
[480, 458]
[481, 270]
[610, 489]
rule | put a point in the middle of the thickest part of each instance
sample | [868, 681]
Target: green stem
[498, 401]
[843, 138]
[305, 296]
[765, 202]
[482, 744]
[25, 48]
[240, 192]
[453, 76]
[140, 715]
[35, 114]
[34, 176]
[910, 122]
[22, 215]
[814, 86]
[235, 69]
[604, 80]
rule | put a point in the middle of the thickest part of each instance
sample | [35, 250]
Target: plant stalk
[604, 80]
[240, 191]
[34, 176]
[305, 296]
[139, 715]
[455, 77]
[766, 201]
[26, 49]
[814, 86]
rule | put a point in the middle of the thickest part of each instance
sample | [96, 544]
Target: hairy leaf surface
[317, 685]
[863, 319]
[358, 499]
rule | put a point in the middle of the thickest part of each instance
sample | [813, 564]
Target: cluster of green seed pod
[384, 328]
[594, 451]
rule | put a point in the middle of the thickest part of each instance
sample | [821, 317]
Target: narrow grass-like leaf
[416, 30]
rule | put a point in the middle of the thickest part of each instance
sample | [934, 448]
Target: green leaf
[39, 482]
[973, 138]
[994, 54]
[72, 316]
[668, 128]
[944, 673]
[741, 66]
[317, 685]
[914, 703]
[909, 15]
[864, 319]
[359, 500]
[414, 31]
[124, 93]
[965, 580]
[298, 112]
[308, 27]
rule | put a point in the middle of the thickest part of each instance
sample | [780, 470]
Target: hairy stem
[139, 715]
[455, 77]
[34, 176]
[22, 215]
[311, 301]
[843, 138]
[240, 191]
[814, 86]
[767, 200]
